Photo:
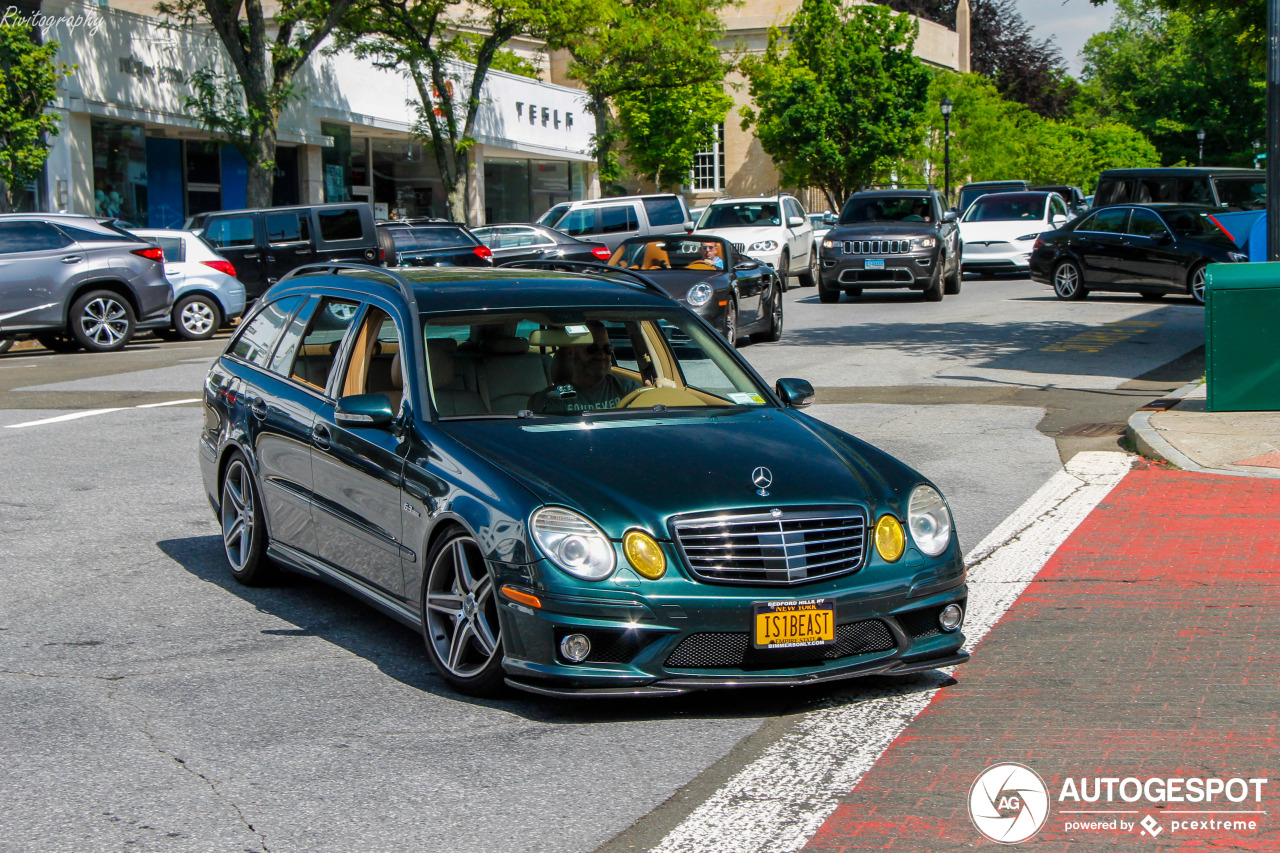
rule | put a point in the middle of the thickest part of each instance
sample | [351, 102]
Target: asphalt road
[153, 704]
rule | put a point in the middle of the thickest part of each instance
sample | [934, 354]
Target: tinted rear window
[664, 211]
[1195, 224]
[619, 218]
[339, 225]
[409, 239]
[1110, 221]
[29, 237]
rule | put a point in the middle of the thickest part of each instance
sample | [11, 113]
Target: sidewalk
[1185, 435]
[1146, 649]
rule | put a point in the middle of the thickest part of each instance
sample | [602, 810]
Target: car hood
[1005, 232]
[892, 230]
[629, 471]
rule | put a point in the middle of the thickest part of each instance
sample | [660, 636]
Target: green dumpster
[1242, 337]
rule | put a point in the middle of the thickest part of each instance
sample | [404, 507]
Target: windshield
[1196, 224]
[1007, 207]
[580, 362]
[741, 215]
[552, 216]
[907, 208]
[670, 254]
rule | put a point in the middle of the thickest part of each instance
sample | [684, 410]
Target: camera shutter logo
[1008, 803]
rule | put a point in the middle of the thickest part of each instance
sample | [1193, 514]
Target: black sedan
[1150, 249]
[431, 243]
[536, 243]
[735, 294]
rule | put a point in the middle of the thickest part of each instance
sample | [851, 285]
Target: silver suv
[76, 281]
[618, 218]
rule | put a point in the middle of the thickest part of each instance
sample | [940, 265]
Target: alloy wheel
[237, 515]
[731, 323]
[461, 610]
[104, 321]
[1197, 285]
[1066, 281]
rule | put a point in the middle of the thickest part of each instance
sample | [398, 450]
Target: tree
[1171, 73]
[246, 106]
[665, 128]
[839, 96]
[1024, 69]
[431, 44]
[638, 53]
[28, 83]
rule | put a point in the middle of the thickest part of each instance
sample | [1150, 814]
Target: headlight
[1029, 236]
[927, 242]
[828, 244]
[763, 246]
[1238, 257]
[929, 520]
[573, 543]
[698, 295]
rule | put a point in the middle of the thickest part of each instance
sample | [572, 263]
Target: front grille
[876, 247]
[740, 248]
[763, 548]
[733, 650]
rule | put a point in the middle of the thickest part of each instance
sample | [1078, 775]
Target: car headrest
[440, 356]
[505, 346]
[397, 375]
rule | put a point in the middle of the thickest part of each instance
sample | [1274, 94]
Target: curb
[1151, 444]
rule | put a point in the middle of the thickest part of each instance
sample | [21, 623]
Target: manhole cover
[1093, 430]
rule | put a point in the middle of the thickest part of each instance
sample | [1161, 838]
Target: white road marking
[74, 416]
[776, 803]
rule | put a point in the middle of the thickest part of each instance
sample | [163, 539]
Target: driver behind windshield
[594, 385]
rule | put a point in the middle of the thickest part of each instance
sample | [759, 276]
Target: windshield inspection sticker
[746, 399]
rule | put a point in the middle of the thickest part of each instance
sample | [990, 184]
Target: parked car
[431, 243]
[391, 433]
[998, 230]
[612, 220]
[1151, 249]
[1221, 187]
[266, 243]
[892, 239]
[773, 230]
[1073, 196]
[206, 293]
[735, 294]
[536, 243]
[77, 281]
[970, 193]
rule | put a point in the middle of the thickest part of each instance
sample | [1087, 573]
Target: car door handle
[303, 252]
[254, 256]
[258, 406]
[72, 259]
[320, 435]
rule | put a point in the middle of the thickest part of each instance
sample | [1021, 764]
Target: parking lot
[155, 704]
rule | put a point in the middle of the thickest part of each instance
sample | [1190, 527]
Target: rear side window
[1114, 191]
[318, 354]
[618, 218]
[288, 228]
[341, 224]
[664, 211]
[231, 233]
[109, 234]
[1106, 221]
[1246, 193]
[256, 343]
[175, 250]
[1144, 223]
[30, 237]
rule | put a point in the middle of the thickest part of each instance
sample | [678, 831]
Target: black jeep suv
[892, 239]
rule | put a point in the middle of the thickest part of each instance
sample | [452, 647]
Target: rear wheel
[58, 343]
[6, 345]
[1195, 283]
[244, 529]
[101, 321]
[196, 317]
[774, 331]
[1068, 283]
[460, 616]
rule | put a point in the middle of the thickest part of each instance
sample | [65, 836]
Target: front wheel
[1068, 283]
[809, 277]
[102, 321]
[1196, 283]
[784, 269]
[952, 285]
[6, 345]
[196, 317]
[774, 332]
[828, 294]
[460, 616]
[933, 293]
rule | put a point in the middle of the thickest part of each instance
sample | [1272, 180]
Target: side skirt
[303, 564]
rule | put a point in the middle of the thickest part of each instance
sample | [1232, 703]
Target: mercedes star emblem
[762, 478]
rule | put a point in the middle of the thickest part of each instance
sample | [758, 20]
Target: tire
[774, 332]
[784, 269]
[952, 285]
[196, 317]
[460, 616]
[1068, 282]
[244, 529]
[58, 343]
[731, 323]
[6, 345]
[102, 321]
[809, 277]
[933, 293]
[828, 294]
[1195, 283]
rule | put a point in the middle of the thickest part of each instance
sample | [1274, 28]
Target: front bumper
[914, 270]
[1002, 257]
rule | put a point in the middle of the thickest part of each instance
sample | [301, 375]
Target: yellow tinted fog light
[890, 540]
[644, 554]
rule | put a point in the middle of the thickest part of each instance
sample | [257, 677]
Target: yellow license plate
[792, 624]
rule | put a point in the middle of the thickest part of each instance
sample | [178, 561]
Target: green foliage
[1170, 73]
[993, 139]
[220, 104]
[28, 83]
[645, 57]
[665, 128]
[840, 97]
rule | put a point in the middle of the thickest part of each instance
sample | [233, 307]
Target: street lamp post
[945, 106]
[1257, 163]
[1200, 139]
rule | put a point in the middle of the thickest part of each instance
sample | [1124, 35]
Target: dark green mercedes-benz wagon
[570, 484]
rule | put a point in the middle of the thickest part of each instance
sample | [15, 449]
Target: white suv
[773, 230]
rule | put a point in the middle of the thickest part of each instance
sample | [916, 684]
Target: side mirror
[1164, 239]
[1058, 219]
[949, 216]
[688, 228]
[366, 411]
[746, 266]
[829, 218]
[797, 393]
[795, 221]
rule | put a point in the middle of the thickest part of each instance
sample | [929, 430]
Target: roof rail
[336, 267]
[644, 282]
